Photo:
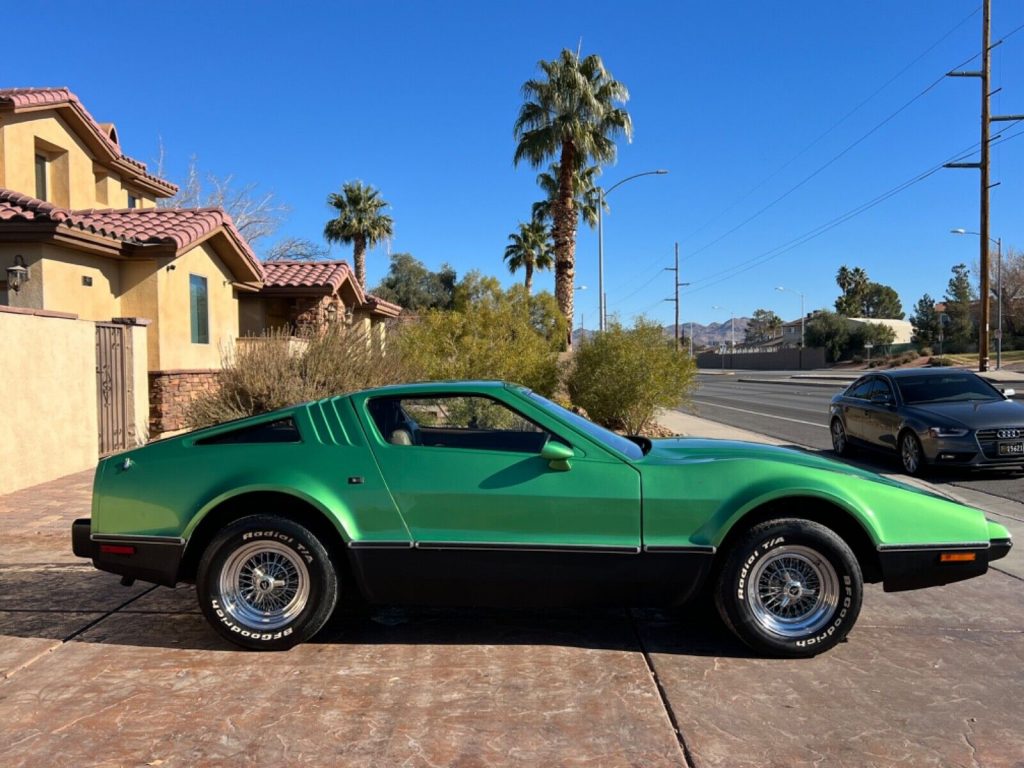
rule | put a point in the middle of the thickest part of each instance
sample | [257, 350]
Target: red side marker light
[116, 549]
[958, 557]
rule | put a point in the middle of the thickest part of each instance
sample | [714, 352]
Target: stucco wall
[20, 136]
[49, 384]
[173, 330]
[64, 289]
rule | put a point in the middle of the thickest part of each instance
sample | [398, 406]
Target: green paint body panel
[683, 493]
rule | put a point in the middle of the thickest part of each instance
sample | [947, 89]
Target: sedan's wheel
[790, 588]
[840, 445]
[911, 454]
[266, 583]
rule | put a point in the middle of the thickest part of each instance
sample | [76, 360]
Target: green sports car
[485, 493]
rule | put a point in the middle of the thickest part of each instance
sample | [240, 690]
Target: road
[798, 413]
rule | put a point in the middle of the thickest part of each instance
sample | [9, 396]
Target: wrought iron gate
[114, 387]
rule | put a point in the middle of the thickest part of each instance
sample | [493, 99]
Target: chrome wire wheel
[794, 592]
[838, 437]
[264, 585]
[910, 453]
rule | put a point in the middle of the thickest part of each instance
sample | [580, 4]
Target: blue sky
[741, 101]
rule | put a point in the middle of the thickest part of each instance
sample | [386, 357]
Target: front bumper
[919, 566]
[968, 451]
[148, 558]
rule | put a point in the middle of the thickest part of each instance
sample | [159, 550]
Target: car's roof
[441, 386]
[901, 373]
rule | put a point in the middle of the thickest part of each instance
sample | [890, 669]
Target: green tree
[585, 191]
[763, 326]
[865, 298]
[414, 287]
[926, 322]
[360, 221]
[622, 375]
[570, 114]
[529, 249]
[960, 331]
[878, 335]
[881, 302]
[494, 336]
[831, 331]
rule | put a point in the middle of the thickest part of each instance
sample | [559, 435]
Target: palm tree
[530, 249]
[360, 222]
[585, 192]
[571, 115]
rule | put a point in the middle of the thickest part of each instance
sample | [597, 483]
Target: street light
[732, 324]
[999, 292]
[581, 288]
[601, 195]
[802, 315]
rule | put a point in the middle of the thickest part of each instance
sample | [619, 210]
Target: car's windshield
[607, 437]
[954, 387]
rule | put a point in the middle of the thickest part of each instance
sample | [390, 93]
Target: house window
[41, 164]
[200, 309]
[133, 201]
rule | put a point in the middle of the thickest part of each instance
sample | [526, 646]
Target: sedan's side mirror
[1008, 393]
[557, 455]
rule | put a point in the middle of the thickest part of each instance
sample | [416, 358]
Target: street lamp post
[601, 195]
[803, 316]
[999, 291]
[732, 325]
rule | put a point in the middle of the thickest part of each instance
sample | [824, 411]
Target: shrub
[937, 361]
[926, 352]
[492, 334]
[621, 376]
[275, 370]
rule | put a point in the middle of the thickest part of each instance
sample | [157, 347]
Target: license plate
[1011, 449]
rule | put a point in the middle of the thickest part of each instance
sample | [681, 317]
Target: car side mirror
[557, 455]
[1008, 393]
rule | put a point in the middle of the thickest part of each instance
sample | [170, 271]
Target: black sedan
[930, 416]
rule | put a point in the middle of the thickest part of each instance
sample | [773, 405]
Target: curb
[798, 382]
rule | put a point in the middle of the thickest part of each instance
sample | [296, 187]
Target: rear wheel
[840, 443]
[790, 587]
[266, 583]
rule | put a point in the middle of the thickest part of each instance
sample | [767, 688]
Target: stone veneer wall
[170, 393]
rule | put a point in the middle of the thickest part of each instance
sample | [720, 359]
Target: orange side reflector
[958, 557]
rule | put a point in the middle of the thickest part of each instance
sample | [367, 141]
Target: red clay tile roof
[288, 273]
[15, 99]
[180, 227]
[305, 274]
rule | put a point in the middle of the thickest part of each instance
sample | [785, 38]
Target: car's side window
[456, 421]
[862, 389]
[881, 392]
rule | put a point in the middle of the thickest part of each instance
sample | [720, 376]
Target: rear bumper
[148, 558]
[919, 566]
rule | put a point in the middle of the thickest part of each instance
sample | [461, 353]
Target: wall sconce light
[18, 274]
[332, 313]
[348, 316]
[171, 267]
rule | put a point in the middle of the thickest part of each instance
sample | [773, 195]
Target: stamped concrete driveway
[98, 674]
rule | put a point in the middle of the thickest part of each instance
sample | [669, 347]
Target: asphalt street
[772, 404]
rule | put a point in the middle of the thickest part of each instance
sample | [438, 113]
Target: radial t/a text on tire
[266, 583]
[790, 587]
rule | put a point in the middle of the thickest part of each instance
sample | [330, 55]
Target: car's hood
[979, 414]
[689, 449]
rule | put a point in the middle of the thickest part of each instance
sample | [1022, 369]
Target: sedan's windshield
[607, 437]
[951, 388]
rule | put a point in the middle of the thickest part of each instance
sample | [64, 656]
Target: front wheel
[790, 587]
[840, 443]
[911, 454]
[266, 583]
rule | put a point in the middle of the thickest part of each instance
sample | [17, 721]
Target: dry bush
[277, 370]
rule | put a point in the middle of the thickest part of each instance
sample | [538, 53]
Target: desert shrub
[491, 334]
[857, 359]
[622, 375]
[275, 370]
[926, 352]
[940, 361]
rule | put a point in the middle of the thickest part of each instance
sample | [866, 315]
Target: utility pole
[678, 285]
[986, 118]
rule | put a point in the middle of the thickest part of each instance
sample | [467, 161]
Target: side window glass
[881, 392]
[862, 390]
[458, 421]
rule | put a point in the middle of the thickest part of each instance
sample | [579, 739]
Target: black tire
[911, 454]
[840, 440]
[266, 583]
[790, 587]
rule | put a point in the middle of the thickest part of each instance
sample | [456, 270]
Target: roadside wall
[789, 359]
[48, 379]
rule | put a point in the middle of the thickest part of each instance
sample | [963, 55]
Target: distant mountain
[712, 335]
